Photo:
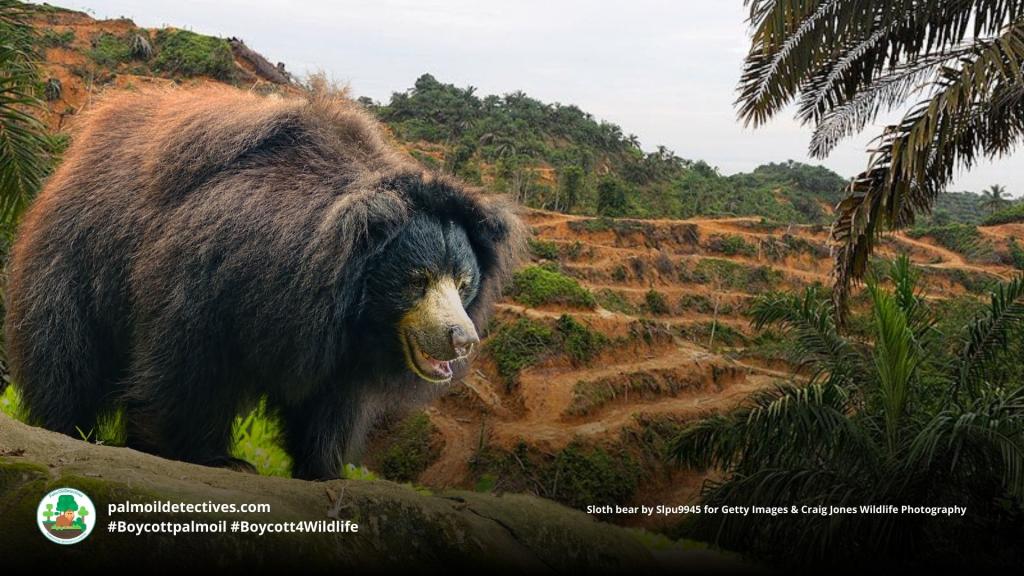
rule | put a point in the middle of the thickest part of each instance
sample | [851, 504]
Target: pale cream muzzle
[437, 332]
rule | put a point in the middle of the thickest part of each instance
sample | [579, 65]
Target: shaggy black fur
[200, 249]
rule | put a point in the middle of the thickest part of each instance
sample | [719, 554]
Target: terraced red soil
[539, 409]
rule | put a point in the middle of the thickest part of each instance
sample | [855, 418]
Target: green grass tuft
[257, 441]
[10, 404]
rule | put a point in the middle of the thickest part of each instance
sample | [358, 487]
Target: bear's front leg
[328, 430]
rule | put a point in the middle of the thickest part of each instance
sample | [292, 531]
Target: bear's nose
[463, 339]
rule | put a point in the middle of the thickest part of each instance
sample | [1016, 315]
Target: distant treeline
[559, 157]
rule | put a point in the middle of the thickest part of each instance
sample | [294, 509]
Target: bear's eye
[419, 282]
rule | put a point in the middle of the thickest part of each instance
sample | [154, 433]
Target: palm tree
[995, 198]
[895, 417]
[846, 61]
[24, 144]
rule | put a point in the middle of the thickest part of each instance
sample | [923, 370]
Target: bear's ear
[497, 225]
[490, 221]
[499, 238]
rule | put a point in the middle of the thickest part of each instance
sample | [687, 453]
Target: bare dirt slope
[662, 363]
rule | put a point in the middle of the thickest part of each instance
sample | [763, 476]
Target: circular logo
[66, 516]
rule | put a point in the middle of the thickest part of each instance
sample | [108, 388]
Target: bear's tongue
[442, 367]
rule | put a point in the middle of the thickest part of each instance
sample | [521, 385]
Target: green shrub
[190, 54]
[697, 303]
[1016, 254]
[777, 248]
[701, 334]
[578, 475]
[588, 396]
[973, 281]
[518, 345]
[611, 197]
[579, 342]
[656, 303]
[614, 301]
[536, 286]
[575, 250]
[619, 273]
[544, 249]
[425, 159]
[1014, 213]
[591, 474]
[732, 274]
[53, 39]
[109, 50]
[412, 448]
[731, 245]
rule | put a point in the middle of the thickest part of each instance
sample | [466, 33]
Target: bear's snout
[463, 339]
[437, 331]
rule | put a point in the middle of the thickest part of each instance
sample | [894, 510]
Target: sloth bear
[199, 249]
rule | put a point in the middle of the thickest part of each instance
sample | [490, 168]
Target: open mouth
[424, 365]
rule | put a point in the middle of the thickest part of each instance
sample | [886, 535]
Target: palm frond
[846, 116]
[975, 110]
[832, 49]
[982, 437]
[782, 425]
[897, 358]
[808, 321]
[24, 144]
[988, 334]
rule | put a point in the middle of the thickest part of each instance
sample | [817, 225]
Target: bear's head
[419, 291]
[429, 288]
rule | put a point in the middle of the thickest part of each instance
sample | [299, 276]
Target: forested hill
[559, 157]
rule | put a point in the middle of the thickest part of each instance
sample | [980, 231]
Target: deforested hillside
[621, 331]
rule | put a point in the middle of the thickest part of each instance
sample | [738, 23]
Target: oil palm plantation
[956, 63]
[903, 414]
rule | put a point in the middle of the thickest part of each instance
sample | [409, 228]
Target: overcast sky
[663, 70]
